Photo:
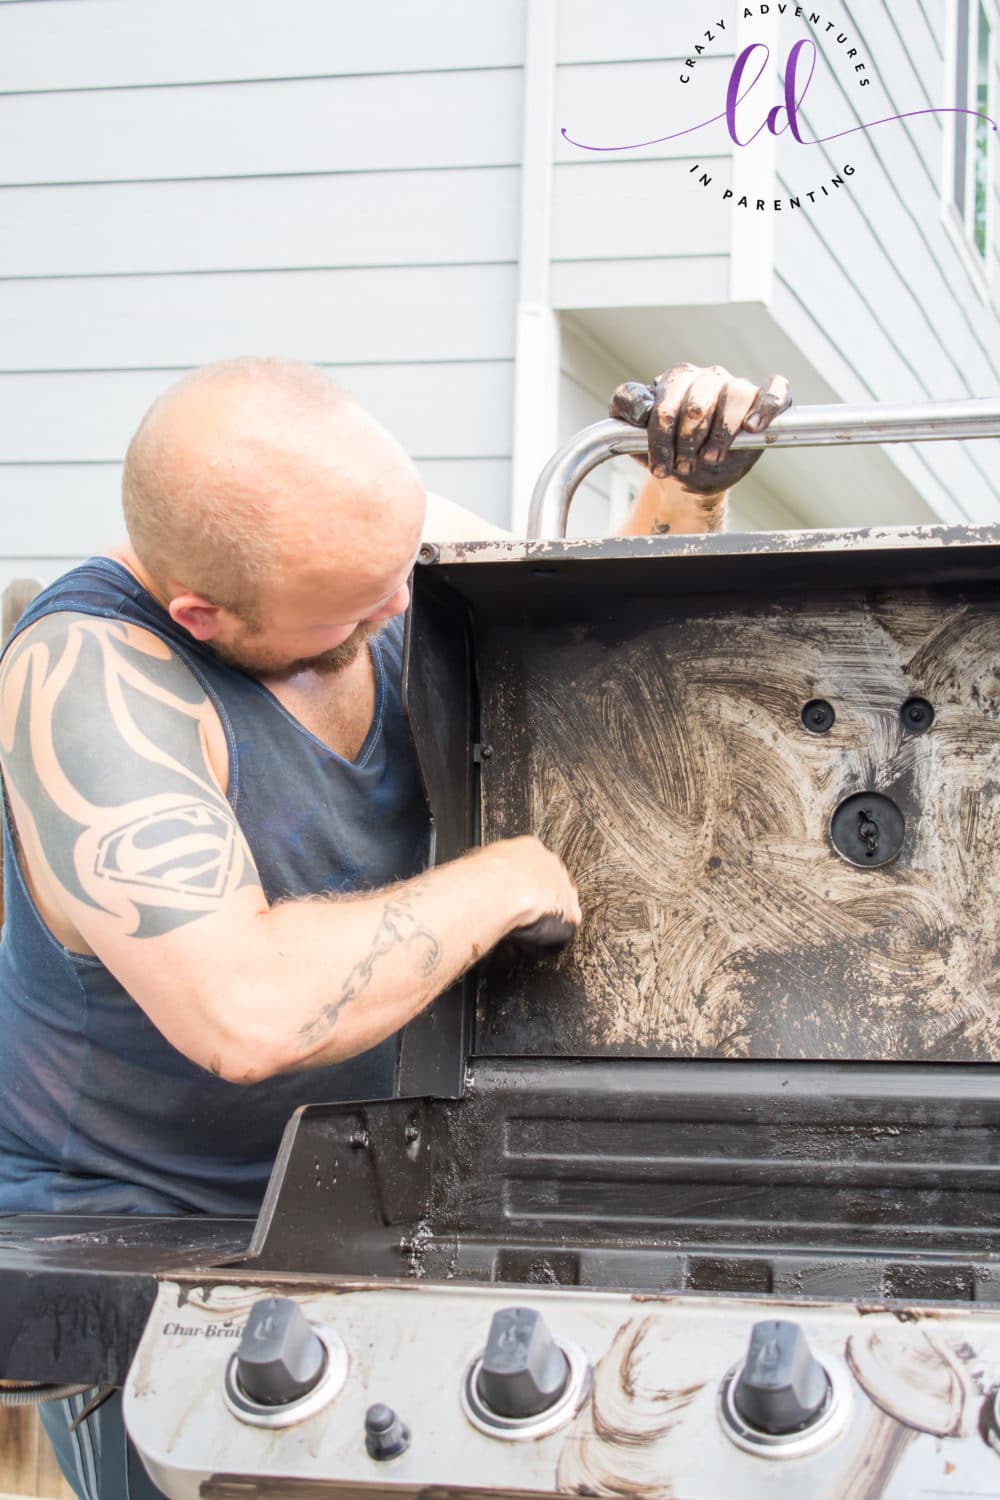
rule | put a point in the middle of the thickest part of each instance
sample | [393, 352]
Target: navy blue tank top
[98, 1112]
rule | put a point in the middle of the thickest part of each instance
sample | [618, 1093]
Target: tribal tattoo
[397, 928]
[102, 745]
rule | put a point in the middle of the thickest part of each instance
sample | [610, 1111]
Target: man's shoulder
[95, 588]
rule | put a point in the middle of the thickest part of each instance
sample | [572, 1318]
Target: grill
[705, 1205]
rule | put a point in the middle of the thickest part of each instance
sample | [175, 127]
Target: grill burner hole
[868, 829]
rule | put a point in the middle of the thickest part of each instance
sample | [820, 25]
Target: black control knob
[782, 1388]
[280, 1356]
[523, 1370]
[385, 1435]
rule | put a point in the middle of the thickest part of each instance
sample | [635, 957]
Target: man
[200, 735]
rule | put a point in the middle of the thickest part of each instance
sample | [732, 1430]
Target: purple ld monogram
[783, 116]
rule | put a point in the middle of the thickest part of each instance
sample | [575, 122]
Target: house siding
[620, 235]
[183, 183]
[874, 287]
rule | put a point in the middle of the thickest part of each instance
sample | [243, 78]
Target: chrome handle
[802, 427]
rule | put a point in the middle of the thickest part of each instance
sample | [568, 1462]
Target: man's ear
[195, 615]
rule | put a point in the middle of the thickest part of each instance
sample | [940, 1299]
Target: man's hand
[539, 879]
[692, 416]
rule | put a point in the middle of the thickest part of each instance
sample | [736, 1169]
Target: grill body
[760, 1082]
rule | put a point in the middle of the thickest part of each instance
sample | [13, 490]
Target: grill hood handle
[802, 427]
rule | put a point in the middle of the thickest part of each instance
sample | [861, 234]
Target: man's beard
[326, 664]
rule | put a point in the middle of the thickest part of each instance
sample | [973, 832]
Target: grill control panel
[407, 1387]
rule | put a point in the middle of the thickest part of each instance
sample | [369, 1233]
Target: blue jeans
[98, 1459]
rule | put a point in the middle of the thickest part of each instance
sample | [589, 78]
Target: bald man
[214, 836]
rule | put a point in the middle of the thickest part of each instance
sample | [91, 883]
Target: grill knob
[523, 1371]
[782, 1388]
[280, 1357]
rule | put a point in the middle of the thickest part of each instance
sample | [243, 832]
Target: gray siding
[186, 181]
[589, 373]
[873, 287]
[620, 236]
[71, 44]
[872, 292]
[180, 183]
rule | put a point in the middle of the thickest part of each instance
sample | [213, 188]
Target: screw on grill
[917, 715]
[818, 716]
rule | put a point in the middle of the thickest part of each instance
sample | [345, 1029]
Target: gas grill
[704, 1204]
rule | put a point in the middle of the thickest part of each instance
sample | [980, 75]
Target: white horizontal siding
[633, 227]
[359, 316]
[64, 44]
[253, 129]
[754, 507]
[590, 512]
[625, 210]
[340, 184]
[480, 484]
[651, 281]
[589, 373]
[436, 411]
[591, 31]
[43, 569]
[406, 218]
[628, 103]
[186, 182]
[60, 510]
[64, 512]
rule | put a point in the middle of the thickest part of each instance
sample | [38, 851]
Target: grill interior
[761, 1065]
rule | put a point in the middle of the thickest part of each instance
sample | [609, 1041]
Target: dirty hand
[692, 416]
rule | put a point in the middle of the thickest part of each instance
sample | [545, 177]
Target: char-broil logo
[824, 64]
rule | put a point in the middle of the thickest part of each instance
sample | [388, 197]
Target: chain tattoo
[397, 928]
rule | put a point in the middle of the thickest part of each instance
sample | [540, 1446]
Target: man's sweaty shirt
[98, 1112]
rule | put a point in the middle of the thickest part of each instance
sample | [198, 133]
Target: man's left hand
[696, 414]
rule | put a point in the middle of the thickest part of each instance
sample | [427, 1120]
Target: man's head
[275, 518]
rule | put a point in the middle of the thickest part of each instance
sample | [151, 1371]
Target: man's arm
[126, 832]
[692, 416]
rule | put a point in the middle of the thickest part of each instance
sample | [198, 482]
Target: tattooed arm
[114, 763]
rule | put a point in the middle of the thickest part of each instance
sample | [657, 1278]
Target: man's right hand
[539, 884]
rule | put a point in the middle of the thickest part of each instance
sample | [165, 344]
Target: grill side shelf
[75, 1292]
